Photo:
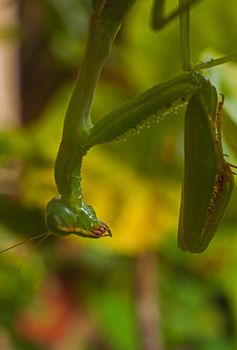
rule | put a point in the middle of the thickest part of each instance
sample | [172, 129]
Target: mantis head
[62, 220]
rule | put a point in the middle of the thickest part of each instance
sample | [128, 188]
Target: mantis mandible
[67, 213]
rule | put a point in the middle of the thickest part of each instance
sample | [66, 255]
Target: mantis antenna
[43, 235]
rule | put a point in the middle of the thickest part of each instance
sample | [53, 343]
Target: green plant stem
[184, 36]
[215, 62]
[159, 20]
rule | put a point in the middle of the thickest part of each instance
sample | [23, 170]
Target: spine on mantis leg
[224, 180]
[208, 179]
[68, 214]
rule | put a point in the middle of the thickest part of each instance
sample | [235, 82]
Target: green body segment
[161, 99]
[208, 179]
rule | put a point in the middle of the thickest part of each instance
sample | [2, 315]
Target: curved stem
[159, 20]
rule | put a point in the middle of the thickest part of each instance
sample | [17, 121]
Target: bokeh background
[136, 290]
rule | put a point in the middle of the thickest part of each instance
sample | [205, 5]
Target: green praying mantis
[208, 178]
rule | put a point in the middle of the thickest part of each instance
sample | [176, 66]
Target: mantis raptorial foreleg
[208, 178]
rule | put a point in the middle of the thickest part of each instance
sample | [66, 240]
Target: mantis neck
[77, 120]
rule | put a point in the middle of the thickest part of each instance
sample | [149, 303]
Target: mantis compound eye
[61, 220]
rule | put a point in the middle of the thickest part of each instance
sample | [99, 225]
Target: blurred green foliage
[78, 294]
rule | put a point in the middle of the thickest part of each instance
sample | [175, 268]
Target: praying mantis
[208, 178]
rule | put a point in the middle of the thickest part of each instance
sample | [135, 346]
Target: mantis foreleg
[208, 178]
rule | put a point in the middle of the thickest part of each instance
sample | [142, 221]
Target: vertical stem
[184, 36]
[158, 18]
[147, 304]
